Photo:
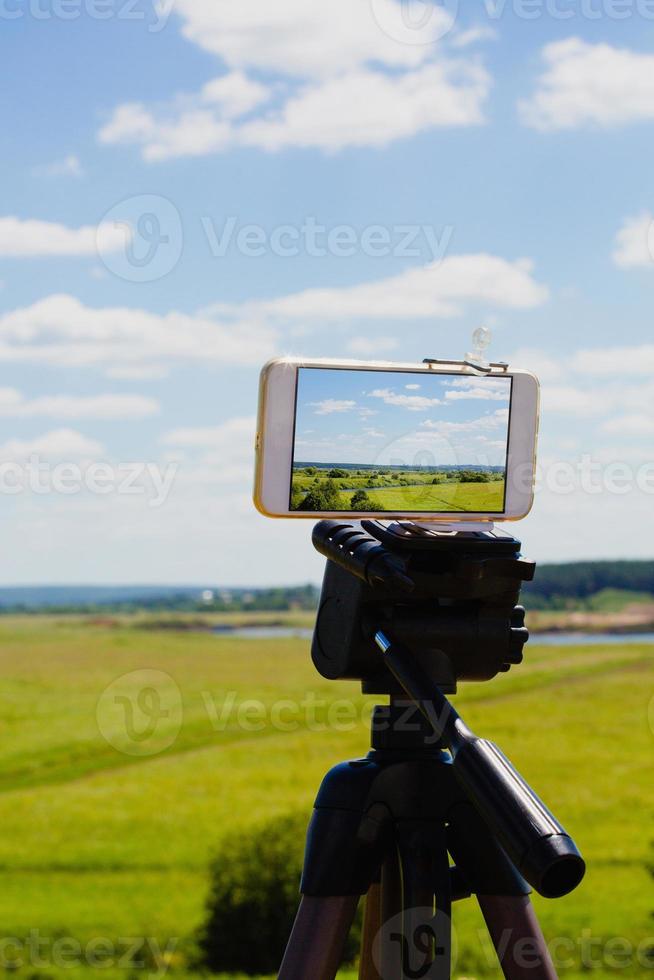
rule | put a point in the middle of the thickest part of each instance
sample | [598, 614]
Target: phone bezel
[275, 437]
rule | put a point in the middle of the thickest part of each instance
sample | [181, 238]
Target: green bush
[253, 898]
[322, 496]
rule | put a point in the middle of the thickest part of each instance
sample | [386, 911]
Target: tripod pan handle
[531, 836]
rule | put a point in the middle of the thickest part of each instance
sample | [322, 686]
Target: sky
[189, 187]
[401, 419]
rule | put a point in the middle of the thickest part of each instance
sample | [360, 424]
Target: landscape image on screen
[400, 442]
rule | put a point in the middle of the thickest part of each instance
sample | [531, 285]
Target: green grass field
[402, 490]
[456, 497]
[97, 843]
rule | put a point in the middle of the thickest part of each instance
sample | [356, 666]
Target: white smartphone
[399, 441]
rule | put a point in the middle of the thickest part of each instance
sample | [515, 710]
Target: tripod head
[439, 607]
[450, 597]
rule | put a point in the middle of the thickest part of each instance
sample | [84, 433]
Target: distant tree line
[555, 585]
[300, 597]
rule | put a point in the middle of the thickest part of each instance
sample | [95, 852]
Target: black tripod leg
[517, 937]
[315, 948]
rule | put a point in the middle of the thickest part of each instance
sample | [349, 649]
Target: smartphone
[397, 441]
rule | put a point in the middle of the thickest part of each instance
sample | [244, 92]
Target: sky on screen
[188, 187]
[400, 419]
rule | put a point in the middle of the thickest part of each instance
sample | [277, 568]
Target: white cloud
[22, 238]
[14, 405]
[628, 361]
[369, 108]
[590, 84]
[234, 94]
[61, 331]
[412, 387]
[57, 444]
[236, 433]
[296, 38]
[343, 74]
[413, 403]
[69, 166]
[632, 242]
[441, 288]
[473, 35]
[328, 406]
[191, 125]
[194, 132]
[365, 107]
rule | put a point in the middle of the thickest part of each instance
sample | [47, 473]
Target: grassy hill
[99, 843]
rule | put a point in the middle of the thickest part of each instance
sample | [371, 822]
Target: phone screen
[401, 441]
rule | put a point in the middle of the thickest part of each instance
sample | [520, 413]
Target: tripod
[387, 825]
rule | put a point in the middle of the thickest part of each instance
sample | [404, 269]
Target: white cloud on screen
[413, 403]
[331, 405]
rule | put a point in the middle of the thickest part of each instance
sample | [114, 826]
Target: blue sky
[191, 186]
[401, 419]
